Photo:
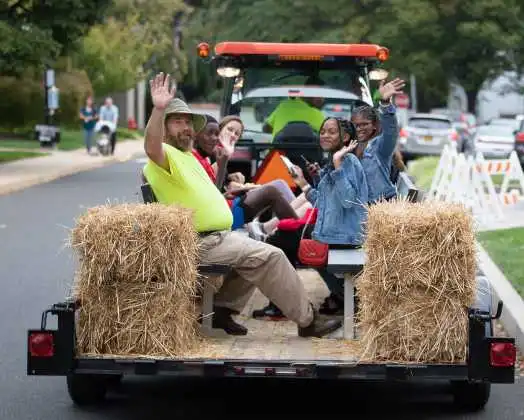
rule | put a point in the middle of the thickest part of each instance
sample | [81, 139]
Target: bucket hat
[178, 106]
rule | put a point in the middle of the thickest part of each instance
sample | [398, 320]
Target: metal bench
[206, 270]
[349, 263]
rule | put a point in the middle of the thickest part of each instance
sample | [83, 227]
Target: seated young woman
[377, 135]
[231, 129]
[245, 203]
[248, 200]
[339, 199]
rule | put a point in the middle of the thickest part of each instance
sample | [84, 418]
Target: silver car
[495, 140]
[426, 135]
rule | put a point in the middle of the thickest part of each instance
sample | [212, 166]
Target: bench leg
[207, 308]
[349, 308]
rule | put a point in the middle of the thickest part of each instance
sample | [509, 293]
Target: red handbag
[311, 252]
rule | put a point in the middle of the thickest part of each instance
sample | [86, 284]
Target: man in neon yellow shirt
[297, 110]
[177, 177]
[294, 110]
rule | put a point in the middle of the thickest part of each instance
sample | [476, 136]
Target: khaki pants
[256, 264]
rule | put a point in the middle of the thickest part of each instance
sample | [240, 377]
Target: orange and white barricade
[459, 179]
[512, 173]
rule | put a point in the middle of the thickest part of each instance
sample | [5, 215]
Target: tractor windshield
[257, 92]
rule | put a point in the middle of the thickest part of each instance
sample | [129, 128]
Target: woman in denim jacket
[339, 197]
[377, 135]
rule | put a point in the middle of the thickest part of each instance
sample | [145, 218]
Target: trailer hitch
[486, 316]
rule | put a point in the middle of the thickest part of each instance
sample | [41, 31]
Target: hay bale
[137, 280]
[418, 282]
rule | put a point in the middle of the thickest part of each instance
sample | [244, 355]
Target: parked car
[427, 134]
[495, 140]
[519, 142]
[458, 116]
[511, 122]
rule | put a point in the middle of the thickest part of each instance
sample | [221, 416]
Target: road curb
[513, 311]
[43, 179]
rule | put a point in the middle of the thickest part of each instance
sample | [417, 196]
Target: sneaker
[256, 231]
[270, 313]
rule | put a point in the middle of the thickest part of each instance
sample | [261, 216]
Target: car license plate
[428, 138]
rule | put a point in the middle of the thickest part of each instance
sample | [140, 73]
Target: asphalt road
[36, 271]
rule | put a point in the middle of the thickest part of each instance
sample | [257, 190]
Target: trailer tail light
[519, 138]
[502, 354]
[239, 370]
[41, 345]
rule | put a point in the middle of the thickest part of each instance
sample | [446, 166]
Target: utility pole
[413, 89]
[47, 134]
[48, 82]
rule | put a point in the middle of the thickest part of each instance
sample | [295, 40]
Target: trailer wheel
[114, 381]
[86, 390]
[470, 396]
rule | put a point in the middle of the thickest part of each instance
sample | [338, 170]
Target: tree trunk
[427, 99]
[472, 100]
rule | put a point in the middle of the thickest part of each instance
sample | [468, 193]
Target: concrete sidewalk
[24, 173]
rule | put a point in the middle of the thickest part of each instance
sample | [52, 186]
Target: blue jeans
[238, 214]
[88, 137]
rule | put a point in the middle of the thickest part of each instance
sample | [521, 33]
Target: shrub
[22, 104]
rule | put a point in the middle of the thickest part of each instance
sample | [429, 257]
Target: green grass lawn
[423, 169]
[14, 155]
[19, 144]
[506, 249]
[69, 139]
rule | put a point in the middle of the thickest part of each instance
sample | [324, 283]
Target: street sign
[402, 100]
[46, 133]
[52, 98]
[50, 77]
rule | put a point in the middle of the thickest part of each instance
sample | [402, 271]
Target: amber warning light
[382, 54]
[203, 50]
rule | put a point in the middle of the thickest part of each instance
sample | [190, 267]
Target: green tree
[467, 41]
[136, 37]
[34, 33]
[464, 41]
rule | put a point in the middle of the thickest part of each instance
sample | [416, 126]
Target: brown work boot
[222, 320]
[319, 328]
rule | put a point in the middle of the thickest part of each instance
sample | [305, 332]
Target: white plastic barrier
[442, 178]
[459, 179]
[512, 171]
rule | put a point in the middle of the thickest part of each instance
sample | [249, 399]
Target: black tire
[86, 390]
[469, 396]
[114, 381]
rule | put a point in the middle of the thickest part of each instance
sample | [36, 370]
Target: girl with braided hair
[339, 199]
[377, 135]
